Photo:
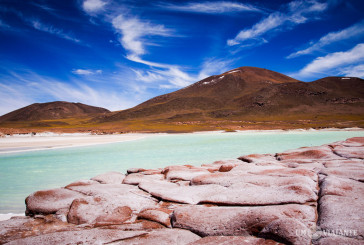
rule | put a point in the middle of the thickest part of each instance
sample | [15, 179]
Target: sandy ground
[30, 143]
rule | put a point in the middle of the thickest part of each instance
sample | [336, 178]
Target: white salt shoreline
[47, 141]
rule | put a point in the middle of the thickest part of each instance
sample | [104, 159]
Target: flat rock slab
[136, 178]
[50, 201]
[233, 240]
[237, 194]
[338, 240]
[238, 221]
[310, 153]
[163, 236]
[182, 194]
[96, 210]
[342, 187]
[349, 152]
[355, 173]
[228, 179]
[109, 178]
[119, 195]
[91, 236]
[21, 227]
[342, 213]
[160, 215]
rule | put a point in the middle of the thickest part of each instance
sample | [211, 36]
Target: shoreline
[50, 141]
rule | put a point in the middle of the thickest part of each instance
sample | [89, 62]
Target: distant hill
[250, 91]
[51, 111]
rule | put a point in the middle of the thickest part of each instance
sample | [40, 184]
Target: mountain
[51, 111]
[251, 92]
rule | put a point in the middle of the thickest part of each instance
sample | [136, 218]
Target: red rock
[97, 210]
[119, 195]
[50, 201]
[338, 240]
[238, 221]
[82, 182]
[233, 240]
[341, 212]
[289, 172]
[21, 227]
[309, 153]
[228, 179]
[252, 158]
[163, 236]
[135, 179]
[182, 194]
[341, 187]
[160, 215]
[349, 152]
[286, 230]
[356, 173]
[89, 236]
[109, 178]
[135, 170]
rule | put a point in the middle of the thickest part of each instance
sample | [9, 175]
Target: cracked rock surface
[311, 195]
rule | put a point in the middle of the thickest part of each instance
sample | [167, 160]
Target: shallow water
[24, 173]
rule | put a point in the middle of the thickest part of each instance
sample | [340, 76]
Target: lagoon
[26, 172]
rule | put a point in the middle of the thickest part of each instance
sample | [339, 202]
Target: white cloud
[354, 71]
[347, 33]
[332, 63]
[21, 89]
[219, 7]
[298, 12]
[93, 6]
[86, 72]
[52, 30]
[133, 30]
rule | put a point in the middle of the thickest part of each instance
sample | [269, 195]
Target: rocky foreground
[312, 195]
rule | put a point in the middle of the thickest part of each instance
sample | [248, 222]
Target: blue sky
[117, 54]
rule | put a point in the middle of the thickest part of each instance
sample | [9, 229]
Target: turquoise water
[24, 173]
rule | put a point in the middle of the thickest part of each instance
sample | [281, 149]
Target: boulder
[21, 227]
[183, 172]
[82, 182]
[91, 210]
[286, 230]
[109, 178]
[342, 212]
[238, 221]
[119, 195]
[50, 201]
[160, 215]
[135, 179]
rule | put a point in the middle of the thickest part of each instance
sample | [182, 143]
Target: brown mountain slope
[210, 94]
[51, 111]
[249, 91]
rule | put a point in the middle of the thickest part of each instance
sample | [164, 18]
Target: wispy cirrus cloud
[23, 87]
[133, 30]
[38, 25]
[93, 6]
[353, 71]
[86, 72]
[219, 7]
[297, 12]
[332, 37]
[334, 63]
